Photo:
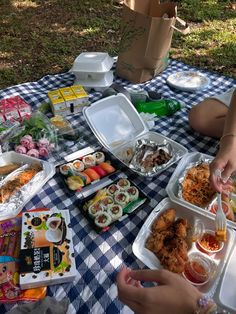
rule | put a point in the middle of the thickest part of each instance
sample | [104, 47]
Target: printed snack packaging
[10, 232]
[14, 109]
[68, 100]
[47, 254]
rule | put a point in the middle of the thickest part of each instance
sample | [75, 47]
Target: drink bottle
[163, 107]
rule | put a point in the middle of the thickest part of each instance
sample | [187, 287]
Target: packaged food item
[15, 109]
[35, 137]
[68, 100]
[64, 127]
[47, 253]
[10, 232]
[109, 205]
[82, 171]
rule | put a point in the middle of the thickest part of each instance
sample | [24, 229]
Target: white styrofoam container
[220, 259]
[172, 188]
[94, 81]
[12, 209]
[92, 62]
[117, 124]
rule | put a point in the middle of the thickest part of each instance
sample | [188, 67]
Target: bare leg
[208, 117]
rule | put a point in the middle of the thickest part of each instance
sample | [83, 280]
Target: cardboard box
[47, 253]
[68, 100]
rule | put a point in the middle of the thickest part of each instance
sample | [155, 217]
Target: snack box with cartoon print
[112, 202]
[47, 253]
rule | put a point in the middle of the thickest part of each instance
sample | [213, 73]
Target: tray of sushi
[80, 173]
[113, 203]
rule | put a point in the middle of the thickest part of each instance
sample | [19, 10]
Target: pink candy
[43, 152]
[26, 140]
[20, 149]
[33, 153]
[43, 142]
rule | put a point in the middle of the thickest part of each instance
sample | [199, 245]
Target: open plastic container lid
[114, 121]
[93, 62]
[227, 287]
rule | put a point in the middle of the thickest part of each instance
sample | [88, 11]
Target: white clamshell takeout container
[15, 203]
[173, 185]
[220, 259]
[92, 62]
[117, 125]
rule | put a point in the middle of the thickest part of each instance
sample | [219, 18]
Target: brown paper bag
[146, 38]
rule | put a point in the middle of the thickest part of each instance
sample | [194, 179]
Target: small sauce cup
[198, 270]
[208, 243]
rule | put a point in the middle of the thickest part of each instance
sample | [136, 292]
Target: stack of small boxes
[14, 109]
[68, 100]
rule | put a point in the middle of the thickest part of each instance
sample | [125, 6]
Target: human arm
[173, 294]
[225, 160]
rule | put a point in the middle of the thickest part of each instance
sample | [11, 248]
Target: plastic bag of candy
[36, 137]
[10, 231]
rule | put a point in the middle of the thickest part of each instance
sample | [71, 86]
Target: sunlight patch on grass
[24, 4]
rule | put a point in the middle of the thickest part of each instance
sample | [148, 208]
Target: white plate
[149, 258]
[188, 81]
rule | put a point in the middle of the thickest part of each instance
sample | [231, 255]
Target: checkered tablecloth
[99, 257]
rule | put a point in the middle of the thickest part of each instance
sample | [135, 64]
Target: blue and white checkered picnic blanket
[99, 257]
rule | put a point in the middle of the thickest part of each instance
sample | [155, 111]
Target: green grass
[44, 37]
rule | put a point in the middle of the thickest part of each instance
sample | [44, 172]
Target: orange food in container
[93, 175]
[209, 243]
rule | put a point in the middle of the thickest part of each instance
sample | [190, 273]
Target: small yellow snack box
[57, 101]
[68, 100]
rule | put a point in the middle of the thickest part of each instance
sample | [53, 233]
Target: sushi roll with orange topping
[99, 170]
[77, 166]
[89, 161]
[66, 169]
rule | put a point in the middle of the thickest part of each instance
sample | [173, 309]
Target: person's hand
[173, 294]
[224, 164]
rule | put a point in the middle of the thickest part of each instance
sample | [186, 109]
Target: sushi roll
[123, 184]
[112, 189]
[77, 166]
[115, 211]
[107, 202]
[107, 167]
[122, 198]
[102, 220]
[93, 175]
[66, 169]
[99, 170]
[95, 209]
[99, 157]
[89, 161]
[133, 193]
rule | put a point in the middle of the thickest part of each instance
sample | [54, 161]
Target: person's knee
[196, 118]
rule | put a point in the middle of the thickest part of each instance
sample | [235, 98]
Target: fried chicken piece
[180, 227]
[164, 221]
